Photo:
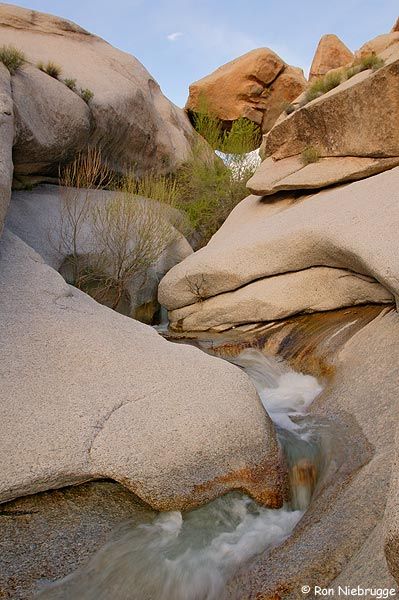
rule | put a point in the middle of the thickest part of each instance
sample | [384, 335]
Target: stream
[192, 556]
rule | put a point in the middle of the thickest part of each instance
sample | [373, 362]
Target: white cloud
[172, 37]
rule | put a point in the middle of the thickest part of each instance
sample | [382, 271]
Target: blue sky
[209, 33]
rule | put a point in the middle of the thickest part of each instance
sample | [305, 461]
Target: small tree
[130, 233]
[79, 180]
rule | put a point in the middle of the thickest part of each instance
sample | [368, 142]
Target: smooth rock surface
[130, 117]
[331, 53]
[87, 393]
[292, 174]
[351, 227]
[6, 140]
[52, 122]
[312, 290]
[256, 85]
[391, 517]
[49, 535]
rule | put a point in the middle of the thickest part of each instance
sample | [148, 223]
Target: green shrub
[310, 155]
[50, 68]
[323, 85]
[71, 84]
[210, 189]
[371, 61]
[12, 58]
[209, 128]
[86, 95]
[350, 72]
[242, 137]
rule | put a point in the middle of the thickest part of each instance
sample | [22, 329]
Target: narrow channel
[192, 556]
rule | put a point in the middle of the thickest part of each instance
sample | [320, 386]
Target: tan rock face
[256, 85]
[378, 44]
[111, 398]
[128, 114]
[396, 26]
[352, 227]
[331, 53]
[292, 174]
[350, 120]
[312, 290]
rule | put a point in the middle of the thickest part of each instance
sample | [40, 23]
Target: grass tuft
[310, 155]
[371, 61]
[323, 85]
[52, 69]
[86, 95]
[12, 58]
[70, 83]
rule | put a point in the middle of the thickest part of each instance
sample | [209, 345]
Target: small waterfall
[191, 556]
[163, 320]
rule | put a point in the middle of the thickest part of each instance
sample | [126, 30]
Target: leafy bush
[310, 155]
[50, 68]
[323, 85]
[86, 95]
[242, 137]
[12, 58]
[209, 189]
[70, 83]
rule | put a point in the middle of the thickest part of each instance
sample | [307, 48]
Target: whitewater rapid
[191, 556]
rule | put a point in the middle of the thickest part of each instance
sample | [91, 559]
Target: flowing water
[191, 556]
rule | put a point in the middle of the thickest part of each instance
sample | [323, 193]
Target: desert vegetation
[334, 78]
[70, 83]
[310, 155]
[86, 94]
[210, 188]
[108, 239]
[54, 70]
[323, 85]
[12, 58]
[50, 68]
[111, 239]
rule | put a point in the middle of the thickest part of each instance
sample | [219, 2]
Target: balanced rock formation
[331, 53]
[352, 133]
[127, 115]
[262, 239]
[257, 85]
[87, 393]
